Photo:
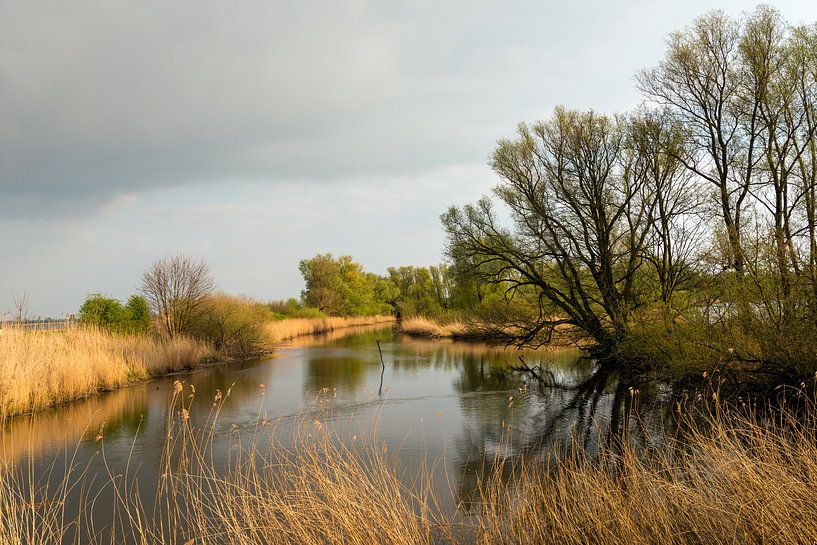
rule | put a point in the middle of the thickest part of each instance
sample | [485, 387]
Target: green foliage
[139, 314]
[233, 325]
[422, 290]
[292, 308]
[109, 313]
[341, 287]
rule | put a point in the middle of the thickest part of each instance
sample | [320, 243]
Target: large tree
[700, 83]
[580, 217]
[340, 286]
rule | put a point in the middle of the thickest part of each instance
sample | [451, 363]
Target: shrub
[291, 308]
[110, 314]
[234, 325]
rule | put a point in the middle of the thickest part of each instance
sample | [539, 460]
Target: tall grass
[420, 326]
[40, 369]
[290, 328]
[739, 478]
[495, 328]
[314, 488]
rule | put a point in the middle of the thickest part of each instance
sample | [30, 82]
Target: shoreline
[135, 370]
[461, 330]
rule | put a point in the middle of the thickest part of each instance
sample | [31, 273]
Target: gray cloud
[258, 132]
[101, 97]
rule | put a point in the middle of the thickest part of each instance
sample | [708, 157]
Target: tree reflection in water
[589, 407]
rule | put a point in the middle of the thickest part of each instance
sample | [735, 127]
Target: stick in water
[380, 391]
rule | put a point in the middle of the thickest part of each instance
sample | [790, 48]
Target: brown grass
[41, 369]
[475, 329]
[740, 481]
[290, 328]
[319, 489]
[419, 326]
[737, 479]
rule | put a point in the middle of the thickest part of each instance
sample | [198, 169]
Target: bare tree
[655, 144]
[178, 289]
[700, 83]
[21, 306]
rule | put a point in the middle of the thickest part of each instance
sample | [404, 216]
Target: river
[450, 403]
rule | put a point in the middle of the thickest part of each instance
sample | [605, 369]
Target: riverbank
[283, 330]
[39, 370]
[476, 330]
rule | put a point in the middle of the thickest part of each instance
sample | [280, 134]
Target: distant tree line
[340, 286]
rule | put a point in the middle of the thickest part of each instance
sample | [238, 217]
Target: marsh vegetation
[592, 459]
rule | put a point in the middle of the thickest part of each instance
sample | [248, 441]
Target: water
[454, 403]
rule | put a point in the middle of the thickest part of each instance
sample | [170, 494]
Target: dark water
[450, 402]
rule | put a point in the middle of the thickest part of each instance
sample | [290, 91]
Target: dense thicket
[109, 313]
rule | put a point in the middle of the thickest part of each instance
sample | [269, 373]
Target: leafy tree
[581, 218]
[421, 290]
[341, 287]
[108, 313]
[138, 312]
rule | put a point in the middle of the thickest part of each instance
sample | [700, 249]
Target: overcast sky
[255, 133]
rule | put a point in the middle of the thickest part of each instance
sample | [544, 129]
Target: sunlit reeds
[735, 479]
[420, 326]
[40, 369]
[725, 477]
[290, 328]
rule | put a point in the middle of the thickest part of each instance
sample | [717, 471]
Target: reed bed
[733, 478]
[475, 329]
[738, 479]
[290, 328]
[315, 488]
[41, 369]
[419, 326]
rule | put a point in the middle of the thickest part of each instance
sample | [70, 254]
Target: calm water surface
[455, 403]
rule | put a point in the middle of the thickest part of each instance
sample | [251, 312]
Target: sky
[256, 133]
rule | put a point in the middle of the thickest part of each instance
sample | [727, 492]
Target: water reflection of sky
[454, 402]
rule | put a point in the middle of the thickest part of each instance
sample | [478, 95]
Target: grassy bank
[736, 479]
[42, 369]
[476, 329]
[284, 330]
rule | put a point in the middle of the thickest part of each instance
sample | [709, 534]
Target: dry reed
[290, 328]
[563, 336]
[420, 326]
[41, 369]
[736, 479]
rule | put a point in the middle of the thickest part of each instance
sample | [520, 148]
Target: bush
[139, 314]
[291, 308]
[110, 314]
[234, 325]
